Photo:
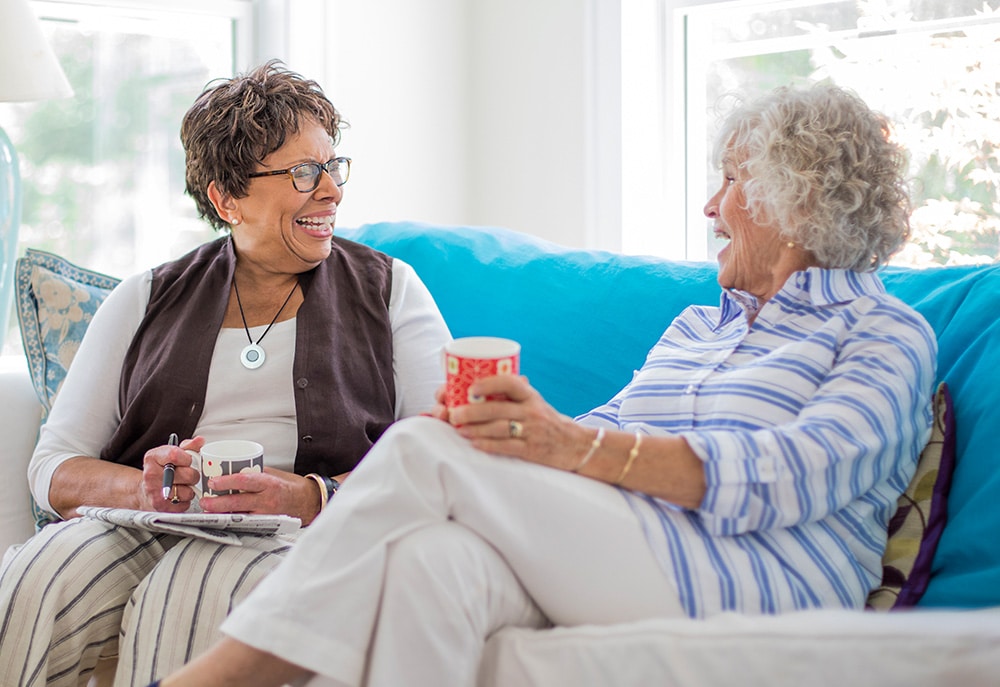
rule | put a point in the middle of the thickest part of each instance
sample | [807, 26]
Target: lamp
[28, 71]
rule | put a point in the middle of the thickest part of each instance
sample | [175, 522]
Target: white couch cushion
[826, 647]
[19, 424]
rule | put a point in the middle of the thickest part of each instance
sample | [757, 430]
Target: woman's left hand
[523, 425]
[272, 492]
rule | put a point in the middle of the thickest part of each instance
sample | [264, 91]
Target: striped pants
[83, 590]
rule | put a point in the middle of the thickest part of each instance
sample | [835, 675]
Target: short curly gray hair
[819, 163]
[235, 123]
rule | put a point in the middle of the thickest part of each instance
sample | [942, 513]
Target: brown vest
[342, 374]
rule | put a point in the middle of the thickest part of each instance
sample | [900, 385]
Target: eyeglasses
[305, 177]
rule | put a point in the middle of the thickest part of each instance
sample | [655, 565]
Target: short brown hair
[235, 123]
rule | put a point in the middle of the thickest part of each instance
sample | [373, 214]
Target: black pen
[168, 470]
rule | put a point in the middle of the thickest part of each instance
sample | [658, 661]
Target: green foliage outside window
[934, 77]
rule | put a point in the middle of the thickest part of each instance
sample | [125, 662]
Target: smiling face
[275, 225]
[757, 259]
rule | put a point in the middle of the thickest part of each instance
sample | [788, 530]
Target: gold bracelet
[631, 459]
[594, 445]
[322, 490]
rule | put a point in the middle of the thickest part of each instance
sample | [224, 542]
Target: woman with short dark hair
[278, 332]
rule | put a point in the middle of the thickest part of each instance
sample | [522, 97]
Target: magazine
[224, 528]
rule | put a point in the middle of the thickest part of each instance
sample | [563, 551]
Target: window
[103, 171]
[929, 65]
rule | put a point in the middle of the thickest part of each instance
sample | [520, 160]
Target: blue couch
[586, 319]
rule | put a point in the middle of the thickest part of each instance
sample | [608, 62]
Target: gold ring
[515, 429]
[173, 495]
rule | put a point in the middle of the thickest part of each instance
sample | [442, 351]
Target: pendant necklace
[252, 356]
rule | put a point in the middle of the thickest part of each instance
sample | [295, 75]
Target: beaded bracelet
[594, 445]
[631, 459]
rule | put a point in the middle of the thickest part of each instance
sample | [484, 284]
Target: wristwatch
[328, 486]
[331, 485]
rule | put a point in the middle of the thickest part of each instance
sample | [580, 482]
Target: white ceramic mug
[226, 457]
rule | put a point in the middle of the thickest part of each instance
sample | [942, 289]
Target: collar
[815, 286]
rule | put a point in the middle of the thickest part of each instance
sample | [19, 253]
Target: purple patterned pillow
[916, 527]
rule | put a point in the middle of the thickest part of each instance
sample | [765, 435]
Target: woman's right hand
[88, 481]
[185, 477]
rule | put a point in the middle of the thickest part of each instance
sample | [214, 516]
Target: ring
[515, 429]
[173, 496]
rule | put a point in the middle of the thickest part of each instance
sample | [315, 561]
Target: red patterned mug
[474, 357]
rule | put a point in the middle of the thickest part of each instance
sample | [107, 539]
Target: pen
[168, 470]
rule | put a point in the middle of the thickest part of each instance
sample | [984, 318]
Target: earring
[235, 221]
[790, 244]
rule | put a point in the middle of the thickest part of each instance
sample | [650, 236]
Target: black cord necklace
[252, 355]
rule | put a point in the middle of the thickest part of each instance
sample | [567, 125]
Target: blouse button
[307, 439]
[689, 389]
[302, 382]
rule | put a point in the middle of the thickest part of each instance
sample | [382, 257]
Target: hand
[185, 477]
[546, 436]
[440, 410]
[273, 492]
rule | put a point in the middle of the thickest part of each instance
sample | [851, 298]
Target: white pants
[431, 547]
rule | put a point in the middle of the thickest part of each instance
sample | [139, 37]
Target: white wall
[527, 145]
[461, 111]
[396, 69]
[499, 112]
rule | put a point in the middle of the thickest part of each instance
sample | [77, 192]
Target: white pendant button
[252, 357]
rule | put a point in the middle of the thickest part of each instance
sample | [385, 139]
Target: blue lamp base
[10, 221]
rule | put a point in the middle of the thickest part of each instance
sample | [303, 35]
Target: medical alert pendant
[252, 356]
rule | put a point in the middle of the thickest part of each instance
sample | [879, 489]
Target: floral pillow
[56, 300]
[922, 510]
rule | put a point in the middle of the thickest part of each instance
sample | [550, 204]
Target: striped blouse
[809, 423]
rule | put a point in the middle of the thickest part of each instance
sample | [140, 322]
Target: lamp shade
[28, 67]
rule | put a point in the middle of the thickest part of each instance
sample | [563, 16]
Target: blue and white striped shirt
[809, 423]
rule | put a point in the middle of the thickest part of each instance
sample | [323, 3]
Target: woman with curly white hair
[751, 465]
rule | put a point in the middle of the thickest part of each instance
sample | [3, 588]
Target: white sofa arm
[20, 418]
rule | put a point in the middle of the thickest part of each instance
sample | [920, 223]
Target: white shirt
[86, 411]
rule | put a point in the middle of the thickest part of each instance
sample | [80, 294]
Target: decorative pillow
[916, 527]
[56, 300]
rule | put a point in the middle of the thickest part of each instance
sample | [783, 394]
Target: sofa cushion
[916, 527]
[962, 304]
[55, 302]
[571, 310]
[926, 648]
[19, 428]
